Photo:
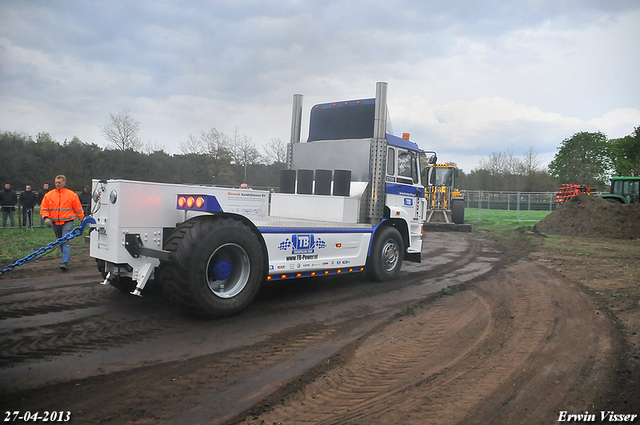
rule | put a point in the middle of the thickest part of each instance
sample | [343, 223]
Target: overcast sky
[466, 78]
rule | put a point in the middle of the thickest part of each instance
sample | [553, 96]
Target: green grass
[18, 243]
[494, 220]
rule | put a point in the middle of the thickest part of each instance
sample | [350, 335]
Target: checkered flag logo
[285, 245]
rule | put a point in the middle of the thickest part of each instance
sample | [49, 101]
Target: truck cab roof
[349, 120]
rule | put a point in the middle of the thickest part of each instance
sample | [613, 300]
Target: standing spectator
[85, 200]
[59, 208]
[45, 189]
[8, 200]
[28, 201]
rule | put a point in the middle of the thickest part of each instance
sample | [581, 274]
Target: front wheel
[216, 267]
[457, 211]
[386, 256]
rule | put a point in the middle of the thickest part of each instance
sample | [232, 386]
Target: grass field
[502, 219]
[18, 243]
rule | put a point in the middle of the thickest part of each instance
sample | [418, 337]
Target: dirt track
[470, 335]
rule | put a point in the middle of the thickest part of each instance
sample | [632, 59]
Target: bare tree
[243, 152]
[501, 164]
[530, 164]
[151, 147]
[122, 131]
[214, 144]
[275, 151]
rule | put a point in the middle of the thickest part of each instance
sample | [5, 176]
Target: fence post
[479, 204]
[518, 204]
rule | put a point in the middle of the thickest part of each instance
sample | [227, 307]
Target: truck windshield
[342, 120]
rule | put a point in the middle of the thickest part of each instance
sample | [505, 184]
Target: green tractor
[624, 190]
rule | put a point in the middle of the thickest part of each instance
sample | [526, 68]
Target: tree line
[588, 158]
[34, 162]
[213, 157]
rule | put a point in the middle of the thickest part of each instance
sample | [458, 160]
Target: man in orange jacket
[59, 208]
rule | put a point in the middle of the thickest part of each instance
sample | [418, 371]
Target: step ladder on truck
[351, 200]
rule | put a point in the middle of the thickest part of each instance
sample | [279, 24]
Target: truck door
[404, 190]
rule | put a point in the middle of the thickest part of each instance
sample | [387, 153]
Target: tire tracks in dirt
[507, 350]
[102, 329]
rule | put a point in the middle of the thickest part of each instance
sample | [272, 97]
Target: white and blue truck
[350, 200]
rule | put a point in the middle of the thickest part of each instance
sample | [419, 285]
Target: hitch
[133, 244]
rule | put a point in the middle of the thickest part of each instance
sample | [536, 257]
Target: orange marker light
[190, 201]
[181, 201]
[199, 202]
[284, 276]
[299, 274]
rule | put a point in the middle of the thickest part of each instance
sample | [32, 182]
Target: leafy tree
[122, 131]
[626, 154]
[584, 158]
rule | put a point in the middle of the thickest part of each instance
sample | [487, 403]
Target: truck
[350, 200]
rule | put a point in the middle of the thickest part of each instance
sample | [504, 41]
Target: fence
[509, 201]
[515, 201]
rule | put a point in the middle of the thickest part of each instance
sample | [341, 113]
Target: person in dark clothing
[85, 200]
[8, 200]
[45, 189]
[28, 200]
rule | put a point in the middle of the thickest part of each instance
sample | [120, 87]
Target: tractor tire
[216, 266]
[457, 211]
[386, 256]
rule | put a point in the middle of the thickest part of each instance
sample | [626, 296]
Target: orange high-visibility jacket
[61, 205]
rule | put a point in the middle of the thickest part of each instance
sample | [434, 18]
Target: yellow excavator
[445, 203]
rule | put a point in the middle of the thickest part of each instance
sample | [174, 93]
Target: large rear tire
[457, 211]
[216, 267]
[386, 256]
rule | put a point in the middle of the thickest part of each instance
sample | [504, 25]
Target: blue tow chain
[72, 234]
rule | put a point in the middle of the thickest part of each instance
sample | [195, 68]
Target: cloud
[467, 78]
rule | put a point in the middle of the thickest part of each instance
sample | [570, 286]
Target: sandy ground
[478, 332]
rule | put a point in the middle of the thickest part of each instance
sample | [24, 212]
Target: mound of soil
[592, 216]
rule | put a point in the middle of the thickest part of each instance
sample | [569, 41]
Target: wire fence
[509, 201]
[503, 200]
